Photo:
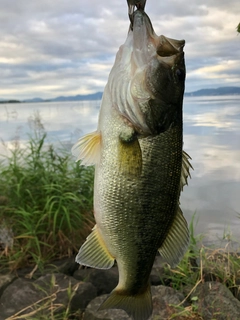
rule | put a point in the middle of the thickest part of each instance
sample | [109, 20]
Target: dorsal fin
[88, 148]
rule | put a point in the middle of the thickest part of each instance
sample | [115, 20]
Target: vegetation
[10, 101]
[45, 202]
[201, 264]
[46, 213]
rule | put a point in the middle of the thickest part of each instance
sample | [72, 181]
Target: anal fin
[88, 148]
[94, 253]
[177, 240]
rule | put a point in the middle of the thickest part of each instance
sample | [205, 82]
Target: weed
[48, 205]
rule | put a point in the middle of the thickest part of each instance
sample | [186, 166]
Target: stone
[67, 266]
[104, 280]
[214, 301]
[63, 285]
[52, 291]
[5, 280]
[92, 313]
[160, 274]
[165, 301]
[20, 294]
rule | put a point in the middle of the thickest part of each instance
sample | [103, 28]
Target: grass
[201, 264]
[45, 202]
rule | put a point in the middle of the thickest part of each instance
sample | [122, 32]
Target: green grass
[45, 201]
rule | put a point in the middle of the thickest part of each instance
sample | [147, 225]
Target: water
[211, 138]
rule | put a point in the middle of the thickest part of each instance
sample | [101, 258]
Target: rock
[83, 295]
[18, 295]
[161, 274]
[164, 299]
[52, 291]
[104, 280]
[67, 266]
[5, 280]
[214, 301]
[92, 313]
[60, 284]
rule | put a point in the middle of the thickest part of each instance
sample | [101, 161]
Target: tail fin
[138, 306]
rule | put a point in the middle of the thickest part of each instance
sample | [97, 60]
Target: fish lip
[169, 47]
[144, 34]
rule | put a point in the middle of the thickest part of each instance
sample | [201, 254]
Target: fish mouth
[146, 43]
[144, 82]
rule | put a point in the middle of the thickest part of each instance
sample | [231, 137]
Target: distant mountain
[214, 92]
[80, 97]
[34, 100]
[98, 95]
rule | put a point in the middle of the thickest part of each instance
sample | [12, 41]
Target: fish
[140, 166]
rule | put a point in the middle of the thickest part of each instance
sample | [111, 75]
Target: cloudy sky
[62, 47]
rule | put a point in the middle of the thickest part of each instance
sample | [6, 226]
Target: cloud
[51, 48]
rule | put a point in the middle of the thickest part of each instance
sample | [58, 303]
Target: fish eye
[180, 74]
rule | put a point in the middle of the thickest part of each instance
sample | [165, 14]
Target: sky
[62, 47]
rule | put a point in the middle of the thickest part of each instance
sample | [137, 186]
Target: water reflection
[63, 121]
[211, 137]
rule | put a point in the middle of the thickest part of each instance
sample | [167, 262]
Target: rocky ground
[64, 288]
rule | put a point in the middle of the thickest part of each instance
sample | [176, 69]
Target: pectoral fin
[94, 253]
[176, 242]
[129, 153]
[88, 148]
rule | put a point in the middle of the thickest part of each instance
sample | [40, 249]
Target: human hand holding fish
[140, 167]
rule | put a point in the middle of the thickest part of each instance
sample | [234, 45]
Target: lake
[211, 138]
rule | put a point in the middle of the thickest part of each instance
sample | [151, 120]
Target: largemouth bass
[140, 167]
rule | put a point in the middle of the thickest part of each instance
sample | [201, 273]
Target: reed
[46, 202]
